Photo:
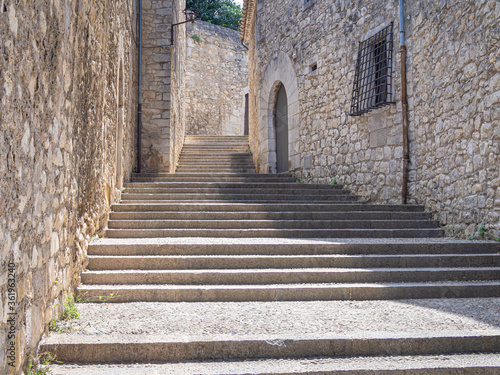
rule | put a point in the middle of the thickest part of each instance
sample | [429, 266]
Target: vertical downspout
[404, 102]
[139, 107]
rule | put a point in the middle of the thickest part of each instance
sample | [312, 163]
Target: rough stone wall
[177, 123]
[156, 85]
[163, 84]
[59, 116]
[454, 95]
[453, 102]
[216, 80]
[248, 36]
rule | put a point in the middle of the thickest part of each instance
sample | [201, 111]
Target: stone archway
[279, 72]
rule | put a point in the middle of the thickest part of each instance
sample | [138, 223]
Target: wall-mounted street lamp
[191, 16]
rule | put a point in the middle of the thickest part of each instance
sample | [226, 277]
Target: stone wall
[216, 81]
[163, 71]
[177, 123]
[453, 89]
[68, 97]
[454, 93]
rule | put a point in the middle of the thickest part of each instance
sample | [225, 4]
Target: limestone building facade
[163, 80]
[313, 50]
[216, 80]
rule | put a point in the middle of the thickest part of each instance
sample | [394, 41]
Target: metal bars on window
[373, 75]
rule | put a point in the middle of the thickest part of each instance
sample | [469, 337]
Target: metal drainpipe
[404, 102]
[139, 107]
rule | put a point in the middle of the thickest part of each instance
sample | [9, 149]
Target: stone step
[208, 158]
[463, 364]
[256, 215]
[334, 196]
[193, 186]
[205, 177]
[263, 247]
[154, 348]
[217, 164]
[288, 292]
[277, 207]
[221, 331]
[249, 200]
[239, 148]
[276, 233]
[272, 224]
[234, 169]
[263, 177]
[237, 190]
[289, 276]
[200, 262]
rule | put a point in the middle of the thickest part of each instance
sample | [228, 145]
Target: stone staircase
[218, 270]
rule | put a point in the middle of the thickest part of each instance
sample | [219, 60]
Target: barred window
[373, 75]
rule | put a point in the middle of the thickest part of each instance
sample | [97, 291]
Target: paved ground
[287, 318]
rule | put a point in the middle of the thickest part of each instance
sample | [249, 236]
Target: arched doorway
[281, 130]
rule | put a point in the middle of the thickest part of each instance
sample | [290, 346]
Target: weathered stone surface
[216, 81]
[163, 74]
[65, 70]
[453, 95]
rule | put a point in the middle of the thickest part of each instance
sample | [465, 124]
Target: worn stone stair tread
[287, 318]
[145, 348]
[464, 364]
[288, 276]
[297, 223]
[150, 262]
[263, 215]
[250, 206]
[291, 292]
[265, 232]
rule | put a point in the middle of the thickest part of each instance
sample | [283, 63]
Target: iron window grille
[373, 75]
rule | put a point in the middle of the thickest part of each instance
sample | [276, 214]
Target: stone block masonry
[453, 74]
[68, 94]
[216, 80]
[163, 70]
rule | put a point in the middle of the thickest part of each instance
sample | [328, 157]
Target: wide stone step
[218, 164]
[252, 176]
[215, 169]
[276, 233]
[333, 196]
[284, 331]
[277, 207]
[463, 364]
[200, 262]
[256, 215]
[288, 292]
[205, 177]
[272, 224]
[289, 276]
[263, 247]
[138, 187]
[157, 348]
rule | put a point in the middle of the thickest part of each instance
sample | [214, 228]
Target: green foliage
[482, 229]
[40, 365]
[70, 312]
[224, 13]
[334, 182]
[196, 38]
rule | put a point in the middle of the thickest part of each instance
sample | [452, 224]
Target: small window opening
[313, 67]
[373, 75]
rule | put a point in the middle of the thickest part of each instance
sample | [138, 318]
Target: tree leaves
[219, 12]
